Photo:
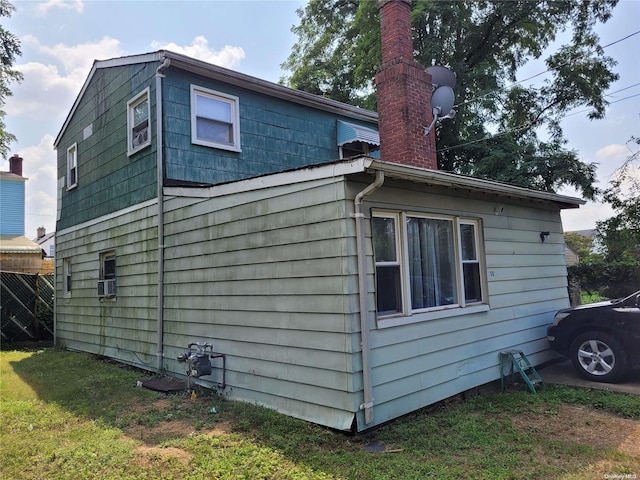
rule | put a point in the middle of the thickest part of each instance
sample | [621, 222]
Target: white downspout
[160, 181]
[362, 294]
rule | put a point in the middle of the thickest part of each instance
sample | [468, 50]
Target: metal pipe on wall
[362, 294]
[160, 182]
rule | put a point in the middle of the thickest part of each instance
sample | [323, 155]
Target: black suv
[601, 339]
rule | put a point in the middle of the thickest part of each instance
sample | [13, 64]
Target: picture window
[426, 263]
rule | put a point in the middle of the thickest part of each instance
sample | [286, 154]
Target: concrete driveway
[562, 373]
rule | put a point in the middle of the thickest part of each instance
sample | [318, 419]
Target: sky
[61, 39]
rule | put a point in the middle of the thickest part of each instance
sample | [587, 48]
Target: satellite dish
[442, 100]
[442, 76]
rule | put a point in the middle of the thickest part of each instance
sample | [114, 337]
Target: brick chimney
[41, 232]
[403, 89]
[15, 164]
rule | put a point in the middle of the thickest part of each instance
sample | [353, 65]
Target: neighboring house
[570, 256]
[17, 252]
[47, 242]
[198, 204]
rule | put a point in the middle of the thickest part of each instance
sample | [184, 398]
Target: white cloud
[48, 90]
[613, 151]
[585, 217]
[77, 5]
[39, 166]
[229, 56]
[79, 56]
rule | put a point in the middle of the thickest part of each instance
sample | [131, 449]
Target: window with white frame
[107, 278]
[72, 166]
[66, 280]
[138, 126]
[215, 119]
[425, 262]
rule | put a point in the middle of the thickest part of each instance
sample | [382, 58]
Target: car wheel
[598, 357]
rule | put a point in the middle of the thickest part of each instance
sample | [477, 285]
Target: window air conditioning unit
[107, 288]
[140, 137]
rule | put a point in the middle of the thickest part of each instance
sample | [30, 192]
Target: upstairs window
[215, 120]
[138, 126]
[72, 166]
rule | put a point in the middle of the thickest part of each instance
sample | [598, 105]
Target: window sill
[397, 321]
[138, 148]
[219, 146]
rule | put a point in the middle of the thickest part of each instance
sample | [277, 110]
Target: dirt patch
[150, 454]
[578, 424]
[160, 431]
[220, 429]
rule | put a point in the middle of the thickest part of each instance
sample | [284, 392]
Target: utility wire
[527, 125]
[610, 103]
[541, 73]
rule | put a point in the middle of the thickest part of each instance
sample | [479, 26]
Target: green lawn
[71, 415]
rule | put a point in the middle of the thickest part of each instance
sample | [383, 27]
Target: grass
[587, 297]
[71, 415]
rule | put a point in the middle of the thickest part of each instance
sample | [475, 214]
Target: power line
[541, 73]
[610, 103]
[621, 90]
[522, 127]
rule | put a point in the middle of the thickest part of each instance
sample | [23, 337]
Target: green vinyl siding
[269, 278]
[108, 180]
[124, 328]
[431, 359]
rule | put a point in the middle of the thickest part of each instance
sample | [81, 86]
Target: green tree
[485, 42]
[581, 244]
[620, 234]
[9, 50]
[616, 272]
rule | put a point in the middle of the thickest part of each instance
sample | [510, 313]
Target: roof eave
[216, 72]
[436, 177]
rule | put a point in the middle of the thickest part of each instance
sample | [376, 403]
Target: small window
[138, 114]
[72, 166]
[471, 280]
[107, 281]
[388, 272]
[215, 120]
[66, 272]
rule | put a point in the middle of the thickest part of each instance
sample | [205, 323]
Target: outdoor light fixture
[543, 235]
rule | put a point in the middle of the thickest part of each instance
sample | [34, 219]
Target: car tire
[599, 357]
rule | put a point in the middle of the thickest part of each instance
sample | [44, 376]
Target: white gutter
[160, 181]
[362, 294]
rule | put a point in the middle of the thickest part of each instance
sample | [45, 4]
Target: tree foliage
[581, 244]
[495, 133]
[9, 50]
[620, 234]
[615, 272]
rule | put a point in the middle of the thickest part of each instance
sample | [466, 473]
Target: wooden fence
[27, 307]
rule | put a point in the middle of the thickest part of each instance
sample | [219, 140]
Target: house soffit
[452, 180]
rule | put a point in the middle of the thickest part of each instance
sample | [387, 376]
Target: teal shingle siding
[108, 180]
[274, 135]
